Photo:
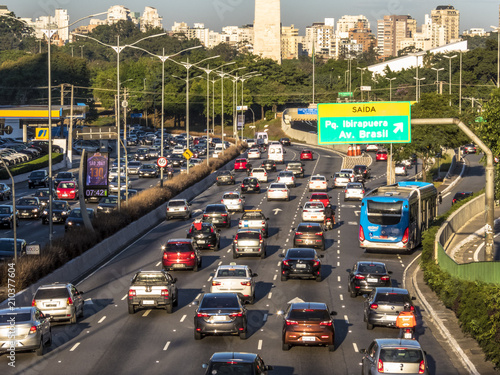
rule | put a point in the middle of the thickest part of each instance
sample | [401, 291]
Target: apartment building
[448, 16]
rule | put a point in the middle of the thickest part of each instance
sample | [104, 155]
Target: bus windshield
[384, 213]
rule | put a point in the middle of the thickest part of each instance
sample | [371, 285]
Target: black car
[60, 211]
[383, 305]
[250, 184]
[225, 178]
[309, 235]
[38, 178]
[204, 235]
[366, 276]
[361, 173]
[75, 218]
[176, 161]
[5, 192]
[29, 207]
[220, 313]
[461, 195]
[142, 154]
[7, 216]
[285, 141]
[301, 263]
[7, 248]
[43, 195]
[236, 363]
[269, 165]
[108, 204]
[64, 176]
[218, 215]
[148, 170]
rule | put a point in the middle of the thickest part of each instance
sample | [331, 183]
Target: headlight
[5, 218]
[64, 213]
[35, 210]
[70, 223]
[45, 213]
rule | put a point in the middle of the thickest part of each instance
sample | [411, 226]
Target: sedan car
[383, 305]
[301, 263]
[64, 176]
[341, 179]
[107, 204]
[5, 192]
[269, 165]
[249, 242]
[318, 183]
[371, 148]
[225, 178]
[469, 149]
[236, 363]
[32, 330]
[309, 235]
[306, 155]
[250, 184]
[60, 211]
[180, 254]
[29, 208]
[75, 218]
[320, 197]
[7, 216]
[43, 195]
[308, 323]
[361, 173]
[233, 201]
[313, 212]
[286, 177]
[400, 170]
[461, 195]
[142, 154]
[278, 190]
[394, 356]
[296, 167]
[204, 236]
[133, 167]
[285, 141]
[220, 313]
[366, 276]
[217, 214]
[113, 184]
[38, 178]
[67, 190]
[381, 155]
[149, 170]
[63, 301]
[237, 279]
[354, 190]
[254, 153]
[254, 219]
[260, 174]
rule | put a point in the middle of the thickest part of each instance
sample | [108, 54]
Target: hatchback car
[240, 165]
[178, 208]
[320, 197]
[286, 177]
[237, 279]
[249, 242]
[38, 178]
[309, 235]
[394, 356]
[107, 204]
[220, 313]
[354, 190]
[233, 201]
[381, 155]
[64, 176]
[43, 194]
[285, 141]
[341, 179]
[365, 276]
[313, 211]
[225, 178]
[180, 254]
[236, 363]
[61, 300]
[149, 170]
[308, 323]
[371, 148]
[32, 330]
[303, 263]
[400, 170]
[29, 207]
[204, 236]
[260, 174]
[318, 183]
[461, 195]
[250, 184]
[67, 190]
[60, 211]
[269, 165]
[218, 215]
[75, 218]
[306, 155]
[254, 153]
[278, 190]
[469, 149]
[7, 216]
[383, 305]
[361, 173]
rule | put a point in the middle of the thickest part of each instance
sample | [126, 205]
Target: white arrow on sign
[399, 127]
[276, 210]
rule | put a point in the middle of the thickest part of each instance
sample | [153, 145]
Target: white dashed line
[279, 263]
[355, 347]
[74, 347]
[158, 264]
[346, 319]
[275, 277]
[338, 278]
[146, 313]
[125, 296]
[338, 264]
[101, 320]
[166, 346]
[210, 278]
[198, 296]
[341, 297]
[259, 347]
[220, 263]
[270, 295]
[183, 317]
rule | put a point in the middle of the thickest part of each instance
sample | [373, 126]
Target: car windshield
[309, 314]
[248, 235]
[343, 175]
[19, 318]
[359, 169]
[179, 247]
[277, 186]
[64, 185]
[309, 228]
[384, 213]
[148, 166]
[42, 193]
[314, 205]
[38, 174]
[393, 298]
[231, 368]
[231, 196]
[7, 244]
[64, 175]
[319, 196]
[253, 215]
[5, 210]
[285, 174]
[59, 205]
[27, 202]
[176, 203]
[294, 165]
[76, 213]
[354, 186]
[317, 178]
[205, 229]
[220, 302]
[150, 278]
[215, 208]
[301, 253]
[231, 272]
[109, 200]
[401, 355]
[51, 293]
[372, 268]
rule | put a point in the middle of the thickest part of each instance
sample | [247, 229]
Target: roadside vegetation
[31, 165]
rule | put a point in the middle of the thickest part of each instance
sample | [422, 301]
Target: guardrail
[488, 272]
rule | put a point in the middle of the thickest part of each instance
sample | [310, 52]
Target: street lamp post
[390, 87]
[362, 71]
[417, 90]
[243, 79]
[437, 77]
[449, 84]
[497, 30]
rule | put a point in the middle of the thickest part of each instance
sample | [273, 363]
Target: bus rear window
[384, 213]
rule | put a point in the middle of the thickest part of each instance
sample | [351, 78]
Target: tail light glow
[406, 235]
[385, 278]
[164, 293]
[202, 315]
[33, 303]
[326, 323]
[380, 366]
[33, 329]
[359, 277]
[361, 233]
[69, 301]
[374, 306]
[246, 283]
[131, 293]
[216, 283]
[421, 368]
[291, 322]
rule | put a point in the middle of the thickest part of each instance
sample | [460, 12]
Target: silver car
[61, 301]
[249, 242]
[178, 208]
[235, 278]
[27, 327]
[354, 190]
[133, 167]
[233, 201]
[394, 356]
[113, 184]
[278, 190]
[286, 177]
[341, 179]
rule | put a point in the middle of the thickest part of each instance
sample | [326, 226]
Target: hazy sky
[218, 13]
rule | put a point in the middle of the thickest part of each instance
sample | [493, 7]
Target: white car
[178, 150]
[278, 190]
[354, 190]
[113, 172]
[251, 142]
[371, 148]
[287, 178]
[233, 201]
[254, 153]
[235, 278]
[260, 174]
[350, 172]
[313, 211]
[341, 179]
[113, 184]
[400, 170]
[318, 183]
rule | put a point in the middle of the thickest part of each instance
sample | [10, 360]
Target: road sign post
[351, 123]
[162, 162]
[187, 154]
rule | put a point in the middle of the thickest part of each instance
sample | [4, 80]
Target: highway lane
[109, 340]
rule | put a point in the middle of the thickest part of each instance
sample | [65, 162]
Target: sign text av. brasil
[381, 122]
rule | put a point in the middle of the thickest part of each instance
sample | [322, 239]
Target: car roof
[248, 230]
[186, 240]
[392, 290]
[412, 344]
[17, 310]
[233, 266]
[234, 356]
[177, 200]
[309, 306]
[54, 286]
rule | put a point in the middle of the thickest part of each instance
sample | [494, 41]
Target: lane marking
[341, 297]
[355, 347]
[166, 346]
[275, 277]
[158, 264]
[74, 347]
[183, 317]
[101, 320]
[338, 278]
[346, 319]
[269, 295]
[146, 313]
[259, 347]
[210, 278]
[198, 296]
[125, 296]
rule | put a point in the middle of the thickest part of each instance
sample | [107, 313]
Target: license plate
[24, 214]
[308, 241]
[314, 217]
[308, 338]
[300, 265]
[219, 318]
[148, 302]
[215, 221]
[202, 241]
[178, 265]
[382, 236]
[248, 250]
[372, 280]
[391, 317]
[50, 305]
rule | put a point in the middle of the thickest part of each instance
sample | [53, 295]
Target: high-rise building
[120, 13]
[60, 20]
[267, 29]
[392, 30]
[320, 37]
[4, 9]
[447, 15]
[289, 42]
[363, 35]
[347, 23]
[150, 19]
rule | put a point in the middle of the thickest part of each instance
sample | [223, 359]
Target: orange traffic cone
[349, 151]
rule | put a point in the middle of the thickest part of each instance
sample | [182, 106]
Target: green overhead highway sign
[345, 94]
[380, 122]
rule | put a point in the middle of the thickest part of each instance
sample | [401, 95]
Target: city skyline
[216, 14]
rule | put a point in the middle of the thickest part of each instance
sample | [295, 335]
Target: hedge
[476, 304]
[31, 165]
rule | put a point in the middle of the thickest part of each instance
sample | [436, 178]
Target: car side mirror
[333, 313]
[204, 365]
[281, 255]
[174, 280]
[365, 295]
[362, 351]
[321, 255]
[413, 298]
[389, 272]
[254, 275]
[267, 218]
[348, 270]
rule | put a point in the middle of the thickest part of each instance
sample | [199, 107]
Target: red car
[320, 197]
[67, 190]
[306, 155]
[381, 156]
[180, 254]
[240, 164]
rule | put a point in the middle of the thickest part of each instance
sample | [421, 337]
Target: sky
[218, 13]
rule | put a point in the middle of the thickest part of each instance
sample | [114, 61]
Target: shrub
[269, 115]
[31, 165]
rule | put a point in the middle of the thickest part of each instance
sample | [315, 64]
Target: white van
[263, 136]
[275, 152]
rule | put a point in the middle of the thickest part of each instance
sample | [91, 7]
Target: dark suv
[361, 173]
[301, 263]
[461, 195]
[366, 276]
[218, 215]
[268, 165]
[309, 235]
[250, 184]
[220, 313]
[383, 305]
[38, 178]
[204, 236]
[236, 363]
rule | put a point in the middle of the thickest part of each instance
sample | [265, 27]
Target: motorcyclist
[406, 319]
[198, 224]
[329, 215]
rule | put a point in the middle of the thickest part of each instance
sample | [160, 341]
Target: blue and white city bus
[393, 217]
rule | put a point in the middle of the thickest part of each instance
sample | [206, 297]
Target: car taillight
[318, 233]
[316, 263]
[216, 283]
[164, 292]
[33, 303]
[345, 191]
[361, 233]
[239, 200]
[298, 233]
[421, 368]
[234, 315]
[257, 185]
[211, 230]
[374, 306]
[131, 293]
[223, 215]
[242, 185]
[222, 200]
[165, 255]
[33, 329]
[192, 256]
[69, 301]
[202, 315]
[246, 283]
[168, 208]
[412, 308]
[405, 235]
[362, 191]
[260, 238]
[283, 191]
[263, 222]
[285, 262]
[184, 208]
[380, 366]
[385, 278]
[326, 323]
[205, 215]
[291, 323]
[359, 277]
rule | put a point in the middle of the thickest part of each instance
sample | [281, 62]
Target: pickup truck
[254, 219]
[151, 289]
